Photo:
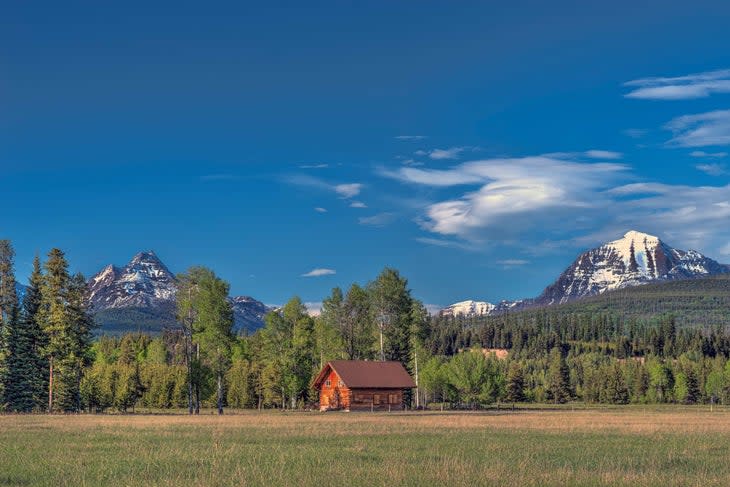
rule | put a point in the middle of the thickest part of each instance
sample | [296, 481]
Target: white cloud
[698, 85]
[451, 153]
[454, 244]
[348, 190]
[345, 190]
[510, 188]
[703, 129]
[634, 133]
[358, 204]
[411, 137]
[712, 169]
[546, 204]
[319, 209]
[319, 272]
[512, 262]
[379, 220]
[603, 154]
[712, 155]
[314, 166]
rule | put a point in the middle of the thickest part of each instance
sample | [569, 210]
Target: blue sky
[477, 148]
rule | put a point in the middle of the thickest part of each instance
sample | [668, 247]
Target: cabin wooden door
[335, 399]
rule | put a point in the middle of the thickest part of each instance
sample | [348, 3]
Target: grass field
[629, 446]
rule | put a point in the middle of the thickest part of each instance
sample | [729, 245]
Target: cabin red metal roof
[357, 374]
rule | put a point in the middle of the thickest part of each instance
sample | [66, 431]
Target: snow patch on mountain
[469, 308]
[636, 258]
[145, 283]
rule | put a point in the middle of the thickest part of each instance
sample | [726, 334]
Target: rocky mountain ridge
[636, 258]
[142, 294]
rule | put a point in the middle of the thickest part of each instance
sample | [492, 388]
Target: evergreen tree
[515, 383]
[615, 390]
[558, 378]
[357, 326]
[393, 307]
[25, 378]
[67, 327]
[9, 337]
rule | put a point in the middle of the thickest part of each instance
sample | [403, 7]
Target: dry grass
[623, 446]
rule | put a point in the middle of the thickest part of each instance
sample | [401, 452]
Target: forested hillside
[698, 302]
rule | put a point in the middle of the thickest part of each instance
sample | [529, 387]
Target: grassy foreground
[628, 446]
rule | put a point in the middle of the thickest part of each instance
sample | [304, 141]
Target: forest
[52, 359]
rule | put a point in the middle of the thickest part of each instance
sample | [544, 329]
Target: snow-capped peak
[145, 280]
[636, 258]
[469, 308]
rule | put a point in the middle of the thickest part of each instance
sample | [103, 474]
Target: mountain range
[141, 296]
[636, 258]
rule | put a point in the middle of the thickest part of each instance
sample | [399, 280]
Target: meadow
[632, 446]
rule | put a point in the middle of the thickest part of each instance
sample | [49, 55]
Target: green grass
[618, 446]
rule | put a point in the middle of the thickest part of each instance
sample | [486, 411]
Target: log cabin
[361, 385]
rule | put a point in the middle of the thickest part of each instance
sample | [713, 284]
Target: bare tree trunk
[197, 385]
[50, 385]
[382, 352]
[189, 363]
[220, 393]
[418, 391]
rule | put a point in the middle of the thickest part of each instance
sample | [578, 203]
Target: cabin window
[340, 383]
[327, 383]
[393, 399]
[376, 399]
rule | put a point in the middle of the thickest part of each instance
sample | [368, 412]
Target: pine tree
[357, 327]
[393, 307]
[558, 377]
[25, 379]
[615, 390]
[80, 328]
[54, 318]
[9, 340]
[515, 383]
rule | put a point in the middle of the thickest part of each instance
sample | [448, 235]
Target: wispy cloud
[698, 85]
[513, 262]
[319, 272]
[314, 166]
[711, 155]
[634, 133]
[348, 190]
[700, 130]
[379, 220]
[510, 188]
[319, 209]
[410, 137]
[443, 154]
[358, 204]
[344, 190]
[603, 154]
[453, 244]
[712, 169]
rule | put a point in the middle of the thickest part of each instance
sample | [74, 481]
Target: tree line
[50, 360]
